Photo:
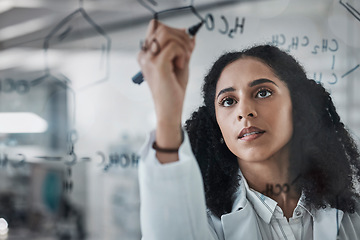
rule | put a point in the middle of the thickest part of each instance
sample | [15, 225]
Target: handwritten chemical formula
[324, 46]
[115, 159]
[304, 43]
[224, 25]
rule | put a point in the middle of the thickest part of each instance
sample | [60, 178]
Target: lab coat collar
[242, 213]
[307, 208]
[326, 221]
[241, 222]
[263, 206]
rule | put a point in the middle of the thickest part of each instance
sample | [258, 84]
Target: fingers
[159, 35]
[151, 27]
[164, 61]
[171, 58]
[174, 54]
[164, 43]
[166, 35]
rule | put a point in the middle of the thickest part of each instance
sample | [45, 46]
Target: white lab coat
[173, 206]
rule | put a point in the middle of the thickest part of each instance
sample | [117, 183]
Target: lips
[250, 133]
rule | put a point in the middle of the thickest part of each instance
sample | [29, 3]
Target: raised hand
[164, 61]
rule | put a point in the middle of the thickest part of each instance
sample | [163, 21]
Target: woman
[275, 160]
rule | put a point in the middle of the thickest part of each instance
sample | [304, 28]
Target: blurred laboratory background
[72, 122]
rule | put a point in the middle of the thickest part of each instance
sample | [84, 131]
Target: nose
[246, 110]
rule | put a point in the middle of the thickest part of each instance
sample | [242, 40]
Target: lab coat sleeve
[350, 225]
[172, 197]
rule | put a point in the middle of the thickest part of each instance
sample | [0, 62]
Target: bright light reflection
[21, 122]
[3, 227]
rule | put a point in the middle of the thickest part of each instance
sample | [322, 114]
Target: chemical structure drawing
[71, 70]
[350, 71]
[162, 6]
[97, 70]
[352, 8]
[224, 25]
[85, 74]
[325, 46]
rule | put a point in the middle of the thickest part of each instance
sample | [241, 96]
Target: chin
[253, 157]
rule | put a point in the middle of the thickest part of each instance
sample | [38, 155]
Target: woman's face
[254, 111]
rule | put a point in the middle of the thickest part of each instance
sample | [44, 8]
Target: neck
[271, 178]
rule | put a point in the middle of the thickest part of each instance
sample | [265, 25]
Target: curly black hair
[324, 159]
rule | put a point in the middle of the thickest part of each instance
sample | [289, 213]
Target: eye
[263, 93]
[227, 102]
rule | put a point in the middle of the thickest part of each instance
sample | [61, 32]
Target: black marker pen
[139, 78]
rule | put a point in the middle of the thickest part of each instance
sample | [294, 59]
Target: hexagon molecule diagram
[158, 6]
[163, 7]
[77, 51]
[353, 7]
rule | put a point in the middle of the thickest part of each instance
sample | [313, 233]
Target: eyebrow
[225, 90]
[260, 81]
[251, 84]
